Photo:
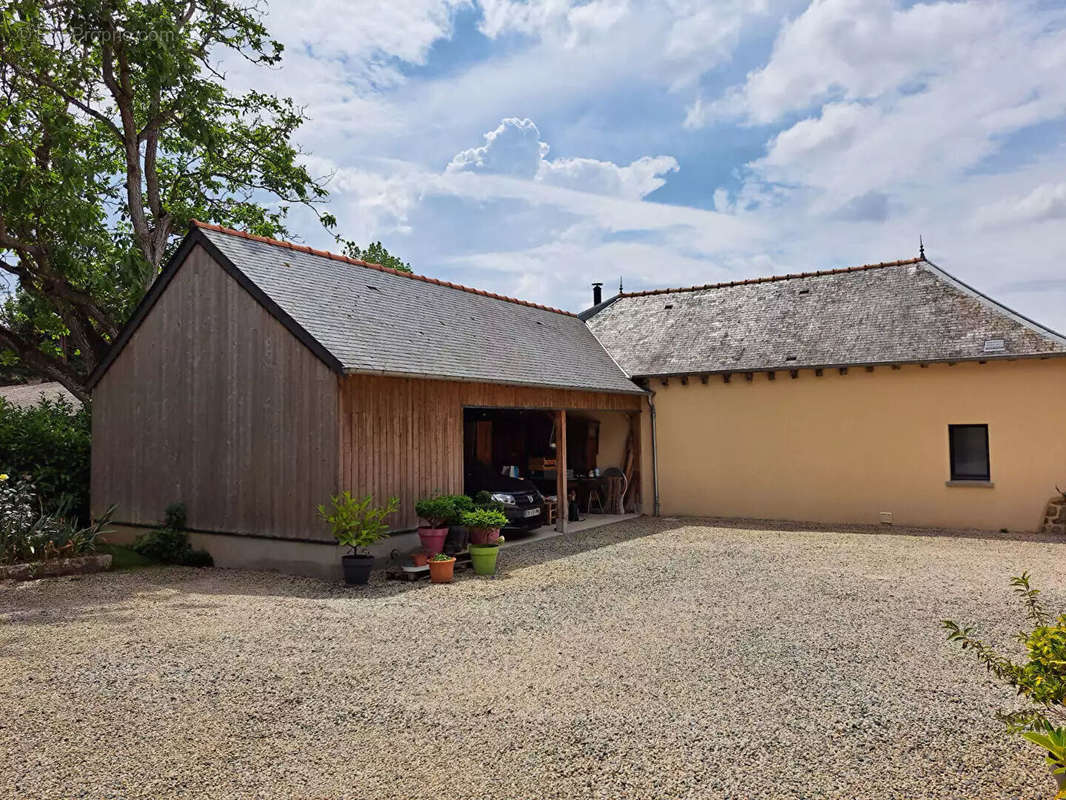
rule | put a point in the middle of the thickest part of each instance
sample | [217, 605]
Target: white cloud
[515, 148]
[1045, 202]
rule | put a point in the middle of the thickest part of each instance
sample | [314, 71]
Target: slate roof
[372, 319]
[890, 313]
[25, 395]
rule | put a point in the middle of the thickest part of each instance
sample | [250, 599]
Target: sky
[531, 148]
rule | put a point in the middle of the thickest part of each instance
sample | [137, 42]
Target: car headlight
[506, 499]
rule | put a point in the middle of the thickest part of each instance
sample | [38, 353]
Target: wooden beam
[771, 376]
[703, 378]
[749, 376]
[684, 380]
[818, 372]
[843, 370]
[726, 377]
[795, 373]
[563, 507]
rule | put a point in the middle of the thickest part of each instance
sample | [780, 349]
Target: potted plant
[357, 523]
[457, 533]
[485, 539]
[438, 513]
[441, 568]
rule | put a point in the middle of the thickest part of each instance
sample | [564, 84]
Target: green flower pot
[483, 557]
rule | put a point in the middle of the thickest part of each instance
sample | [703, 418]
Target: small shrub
[461, 503]
[50, 443]
[484, 499]
[1041, 679]
[170, 545]
[438, 512]
[441, 557]
[484, 518]
[27, 533]
[357, 523]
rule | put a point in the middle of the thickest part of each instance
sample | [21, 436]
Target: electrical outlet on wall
[886, 517]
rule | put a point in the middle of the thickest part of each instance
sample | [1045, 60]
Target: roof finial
[921, 247]
[619, 284]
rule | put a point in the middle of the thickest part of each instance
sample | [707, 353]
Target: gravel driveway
[649, 659]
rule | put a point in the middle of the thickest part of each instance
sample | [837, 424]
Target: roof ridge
[359, 263]
[775, 278]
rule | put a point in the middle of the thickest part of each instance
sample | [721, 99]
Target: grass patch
[124, 558]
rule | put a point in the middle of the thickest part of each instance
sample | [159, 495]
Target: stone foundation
[1055, 518]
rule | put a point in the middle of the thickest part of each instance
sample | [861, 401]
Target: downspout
[654, 455]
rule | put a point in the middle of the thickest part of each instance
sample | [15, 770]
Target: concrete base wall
[278, 555]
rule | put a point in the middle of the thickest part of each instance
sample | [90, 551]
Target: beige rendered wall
[842, 448]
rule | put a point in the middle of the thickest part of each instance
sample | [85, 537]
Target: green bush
[357, 523]
[49, 442]
[484, 518]
[1040, 679]
[27, 533]
[170, 544]
[438, 512]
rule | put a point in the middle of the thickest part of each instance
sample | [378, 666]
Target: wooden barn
[258, 378]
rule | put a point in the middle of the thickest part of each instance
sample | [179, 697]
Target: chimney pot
[597, 293]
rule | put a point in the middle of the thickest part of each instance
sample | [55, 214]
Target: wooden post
[563, 507]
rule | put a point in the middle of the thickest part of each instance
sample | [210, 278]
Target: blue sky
[534, 147]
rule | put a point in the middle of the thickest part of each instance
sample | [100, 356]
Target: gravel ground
[649, 659]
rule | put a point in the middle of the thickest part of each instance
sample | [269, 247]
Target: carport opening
[514, 453]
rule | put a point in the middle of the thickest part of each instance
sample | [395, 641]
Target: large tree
[116, 129]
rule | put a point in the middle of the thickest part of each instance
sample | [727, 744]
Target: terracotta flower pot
[433, 539]
[442, 571]
[420, 559]
[484, 535]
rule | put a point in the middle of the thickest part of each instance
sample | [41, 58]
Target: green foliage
[440, 511]
[29, 534]
[49, 442]
[123, 558]
[375, 253]
[1041, 679]
[484, 499]
[442, 557]
[174, 517]
[484, 518]
[357, 522]
[1054, 742]
[170, 545]
[116, 129]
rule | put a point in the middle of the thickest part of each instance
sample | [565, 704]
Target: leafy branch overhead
[116, 129]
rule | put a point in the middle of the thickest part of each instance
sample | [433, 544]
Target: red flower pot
[433, 540]
[484, 535]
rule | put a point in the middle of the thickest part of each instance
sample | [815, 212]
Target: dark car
[522, 503]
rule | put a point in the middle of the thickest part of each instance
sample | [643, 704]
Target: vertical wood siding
[403, 437]
[215, 404]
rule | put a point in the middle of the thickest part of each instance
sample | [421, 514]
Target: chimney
[597, 293]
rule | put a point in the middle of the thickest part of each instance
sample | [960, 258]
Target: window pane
[970, 451]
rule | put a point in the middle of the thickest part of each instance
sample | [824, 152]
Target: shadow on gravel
[106, 597]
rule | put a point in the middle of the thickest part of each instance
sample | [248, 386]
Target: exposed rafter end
[869, 368]
[726, 377]
[771, 376]
[665, 381]
[795, 373]
[684, 380]
[749, 376]
[704, 378]
[818, 372]
[896, 366]
[843, 370]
